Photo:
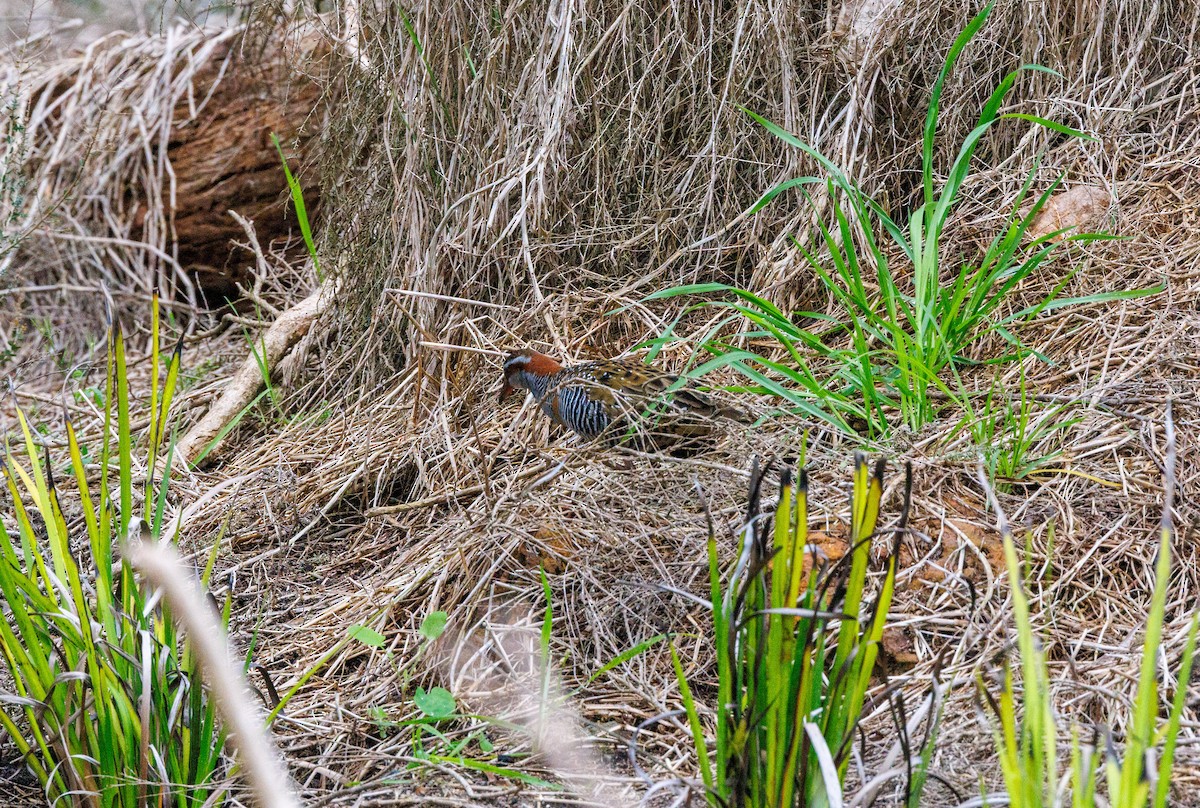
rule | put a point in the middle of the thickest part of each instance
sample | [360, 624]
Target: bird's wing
[638, 386]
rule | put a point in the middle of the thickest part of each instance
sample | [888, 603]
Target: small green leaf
[433, 625]
[485, 745]
[366, 636]
[437, 703]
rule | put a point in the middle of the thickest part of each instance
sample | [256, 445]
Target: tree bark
[224, 159]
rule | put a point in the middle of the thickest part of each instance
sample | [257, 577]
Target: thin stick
[450, 299]
[245, 384]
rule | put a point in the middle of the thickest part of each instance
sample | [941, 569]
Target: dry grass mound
[121, 162]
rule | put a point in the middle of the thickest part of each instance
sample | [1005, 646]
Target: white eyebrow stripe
[520, 360]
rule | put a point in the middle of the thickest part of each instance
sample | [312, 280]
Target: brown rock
[1078, 210]
[551, 550]
[898, 649]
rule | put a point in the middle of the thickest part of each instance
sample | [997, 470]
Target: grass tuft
[1028, 725]
[790, 696]
[112, 708]
[905, 328]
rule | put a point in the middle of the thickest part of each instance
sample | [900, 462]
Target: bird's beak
[506, 391]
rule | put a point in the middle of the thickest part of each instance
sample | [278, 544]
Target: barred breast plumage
[619, 398]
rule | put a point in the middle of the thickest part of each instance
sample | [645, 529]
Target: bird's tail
[734, 414]
[703, 405]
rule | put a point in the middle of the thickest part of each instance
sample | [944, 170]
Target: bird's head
[521, 365]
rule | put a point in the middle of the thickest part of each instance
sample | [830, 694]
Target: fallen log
[136, 149]
[224, 159]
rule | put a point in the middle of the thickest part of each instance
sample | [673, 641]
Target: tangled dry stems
[84, 132]
[557, 164]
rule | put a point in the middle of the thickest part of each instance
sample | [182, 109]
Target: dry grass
[557, 160]
[87, 139]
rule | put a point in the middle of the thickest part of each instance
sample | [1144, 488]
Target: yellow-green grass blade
[774, 664]
[724, 663]
[1171, 732]
[853, 650]
[38, 489]
[791, 666]
[1145, 703]
[211, 563]
[144, 702]
[160, 503]
[1009, 746]
[867, 492]
[776, 667]
[1038, 712]
[297, 194]
[28, 755]
[1146, 700]
[104, 507]
[625, 656]
[97, 536]
[308, 674]
[225, 430]
[806, 641]
[168, 395]
[798, 539]
[869, 642]
[693, 716]
[1112, 771]
[29, 653]
[869, 651]
[168, 392]
[1083, 773]
[80, 470]
[152, 450]
[32, 556]
[10, 579]
[787, 137]
[870, 515]
[927, 140]
[124, 439]
[781, 187]
[71, 572]
[36, 486]
[500, 771]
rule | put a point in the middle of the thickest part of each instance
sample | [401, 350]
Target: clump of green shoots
[905, 328]
[1026, 735]
[1013, 435]
[111, 707]
[790, 694]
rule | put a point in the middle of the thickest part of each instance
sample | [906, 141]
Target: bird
[617, 399]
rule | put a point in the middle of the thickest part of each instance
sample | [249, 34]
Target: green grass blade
[148, 492]
[625, 656]
[1099, 297]
[225, 430]
[493, 769]
[124, 437]
[1049, 124]
[935, 96]
[298, 203]
[782, 187]
[693, 716]
[1171, 731]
